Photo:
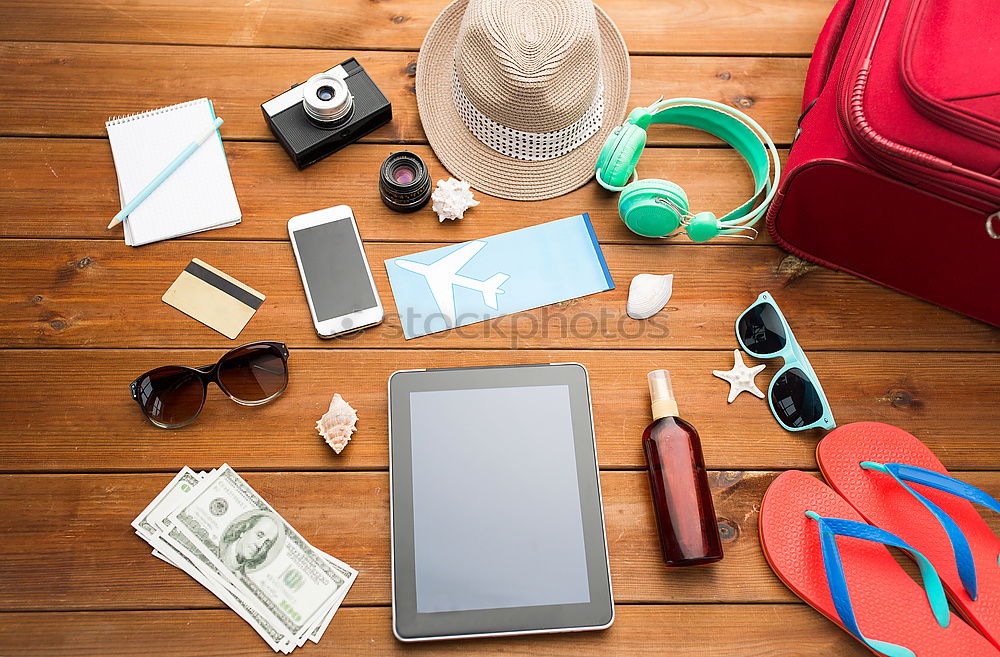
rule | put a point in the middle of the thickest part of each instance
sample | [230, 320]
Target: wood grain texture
[63, 293]
[51, 422]
[38, 79]
[346, 514]
[639, 631]
[669, 26]
[63, 187]
[82, 317]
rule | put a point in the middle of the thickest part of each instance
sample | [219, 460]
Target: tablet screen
[497, 518]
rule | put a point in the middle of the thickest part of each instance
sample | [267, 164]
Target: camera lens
[404, 175]
[404, 184]
[326, 98]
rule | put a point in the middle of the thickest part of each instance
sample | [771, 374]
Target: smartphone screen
[334, 268]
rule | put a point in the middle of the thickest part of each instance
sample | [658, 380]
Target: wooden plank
[639, 631]
[79, 524]
[41, 83]
[64, 187]
[51, 422]
[98, 293]
[669, 26]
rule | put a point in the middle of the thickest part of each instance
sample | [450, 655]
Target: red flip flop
[822, 550]
[896, 483]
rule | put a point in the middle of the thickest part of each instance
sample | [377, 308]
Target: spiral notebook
[198, 196]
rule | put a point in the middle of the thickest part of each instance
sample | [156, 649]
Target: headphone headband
[734, 127]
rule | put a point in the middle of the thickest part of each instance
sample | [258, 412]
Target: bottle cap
[661, 394]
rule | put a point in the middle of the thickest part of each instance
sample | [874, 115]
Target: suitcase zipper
[946, 114]
[903, 161]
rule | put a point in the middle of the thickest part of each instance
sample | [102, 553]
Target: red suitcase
[894, 174]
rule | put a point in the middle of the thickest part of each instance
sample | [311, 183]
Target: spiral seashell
[337, 424]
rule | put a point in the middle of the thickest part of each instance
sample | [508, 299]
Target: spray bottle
[682, 499]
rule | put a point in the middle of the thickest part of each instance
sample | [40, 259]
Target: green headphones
[658, 208]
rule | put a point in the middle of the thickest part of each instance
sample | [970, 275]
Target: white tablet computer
[497, 525]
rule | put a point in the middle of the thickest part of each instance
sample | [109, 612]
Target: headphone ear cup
[644, 214]
[618, 158]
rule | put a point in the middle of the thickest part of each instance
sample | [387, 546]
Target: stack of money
[217, 529]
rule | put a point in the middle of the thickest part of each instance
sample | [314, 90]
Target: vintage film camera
[327, 112]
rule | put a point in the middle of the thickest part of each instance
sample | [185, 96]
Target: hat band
[529, 146]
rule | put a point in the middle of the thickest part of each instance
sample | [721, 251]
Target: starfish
[740, 377]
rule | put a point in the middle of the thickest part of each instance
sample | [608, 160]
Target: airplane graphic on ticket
[462, 284]
[442, 275]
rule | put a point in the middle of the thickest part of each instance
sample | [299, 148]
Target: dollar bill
[270, 565]
[217, 529]
[180, 486]
[277, 641]
[204, 571]
[152, 524]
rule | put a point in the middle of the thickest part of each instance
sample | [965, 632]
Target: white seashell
[647, 294]
[452, 198]
[338, 423]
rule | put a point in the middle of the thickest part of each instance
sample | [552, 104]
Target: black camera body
[327, 112]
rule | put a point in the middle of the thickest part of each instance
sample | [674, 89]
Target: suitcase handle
[825, 52]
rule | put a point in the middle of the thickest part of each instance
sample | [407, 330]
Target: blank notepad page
[198, 196]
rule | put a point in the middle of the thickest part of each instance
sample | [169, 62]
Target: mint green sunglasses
[795, 396]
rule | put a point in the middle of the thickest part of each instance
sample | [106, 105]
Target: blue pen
[157, 181]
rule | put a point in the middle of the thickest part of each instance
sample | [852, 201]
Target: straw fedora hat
[517, 96]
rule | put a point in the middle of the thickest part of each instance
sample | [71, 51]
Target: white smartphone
[335, 273]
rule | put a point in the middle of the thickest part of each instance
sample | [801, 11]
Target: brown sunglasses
[251, 375]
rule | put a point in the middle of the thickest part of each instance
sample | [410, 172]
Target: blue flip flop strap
[902, 473]
[829, 529]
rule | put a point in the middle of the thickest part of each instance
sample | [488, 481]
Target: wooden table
[82, 316]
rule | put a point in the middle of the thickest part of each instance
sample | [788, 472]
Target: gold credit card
[214, 298]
